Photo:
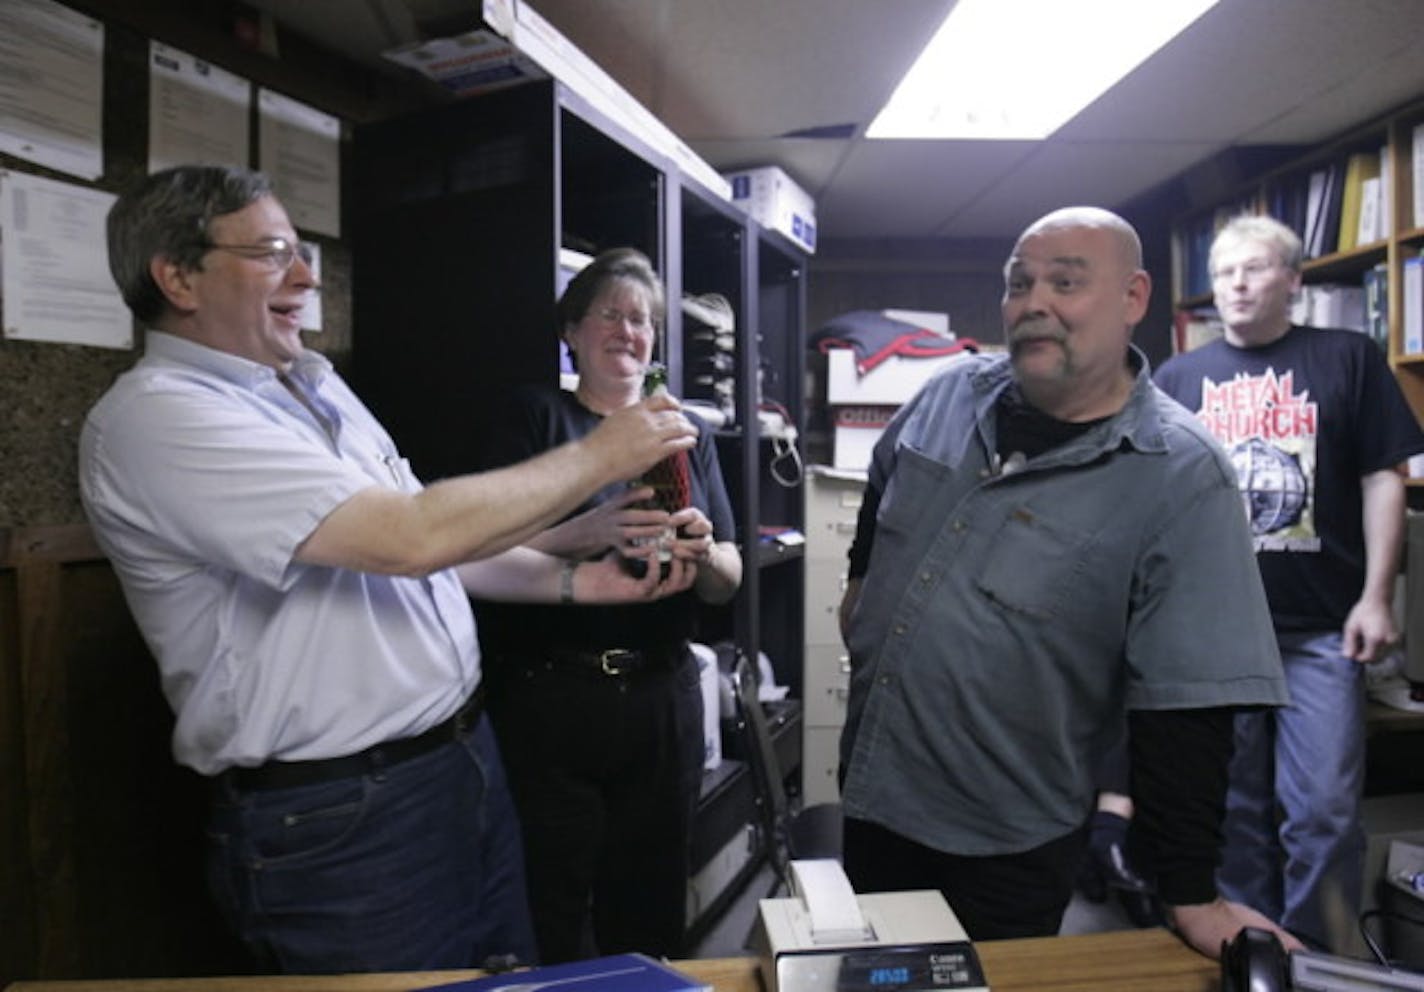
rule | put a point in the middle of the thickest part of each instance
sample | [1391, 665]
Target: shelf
[1286, 191]
[1347, 265]
[1344, 263]
[771, 553]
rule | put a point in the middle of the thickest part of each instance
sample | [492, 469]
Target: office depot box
[770, 196]
[892, 382]
[857, 428]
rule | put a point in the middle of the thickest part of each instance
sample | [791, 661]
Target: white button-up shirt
[201, 475]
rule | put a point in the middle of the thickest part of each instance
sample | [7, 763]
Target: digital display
[896, 978]
[909, 968]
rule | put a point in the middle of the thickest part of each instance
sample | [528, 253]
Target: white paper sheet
[197, 112]
[51, 92]
[311, 310]
[299, 149]
[56, 283]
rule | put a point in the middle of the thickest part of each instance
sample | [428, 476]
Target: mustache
[1037, 329]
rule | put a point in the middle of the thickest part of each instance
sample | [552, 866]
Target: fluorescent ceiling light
[1002, 69]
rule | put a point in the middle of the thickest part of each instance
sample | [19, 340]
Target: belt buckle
[613, 660]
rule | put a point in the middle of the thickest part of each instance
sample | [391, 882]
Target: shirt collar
[1138, 423]
[310, 367]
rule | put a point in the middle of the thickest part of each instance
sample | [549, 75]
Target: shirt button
[926, 577]
[958, 527]
[899, 630]
[883, 680]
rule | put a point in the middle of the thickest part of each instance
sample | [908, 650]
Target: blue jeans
[1294, 844]
[413, 869]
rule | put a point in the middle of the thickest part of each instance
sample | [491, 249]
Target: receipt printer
[825, 938]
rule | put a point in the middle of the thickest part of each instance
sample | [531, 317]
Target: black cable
[1383, 914]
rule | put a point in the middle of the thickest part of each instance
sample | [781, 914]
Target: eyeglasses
[278, 252]
[612, 315]
[1250, 271]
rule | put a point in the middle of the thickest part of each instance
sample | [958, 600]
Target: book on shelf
[1416, 159]
[1314, 207]
[616, 973]
[1326, 234]
[1368, 228]
[1193, 276]
[1376, 285]
[1195, 237]
[1330, 305]
[1385, 227]
[1286, 201]
[1359, 167]
[1413, 305]
[1194, 328]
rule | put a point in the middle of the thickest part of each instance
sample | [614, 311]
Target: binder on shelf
[1328, 231]
[1414, 305]
[1376, 282]
[1358, 167]
[1369, 229]
[1287, 201]
[1316, 187]
[1416, 158]
[1330, 305]
[1385, 227]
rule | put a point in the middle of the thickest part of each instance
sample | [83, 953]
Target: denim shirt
[1007, 618]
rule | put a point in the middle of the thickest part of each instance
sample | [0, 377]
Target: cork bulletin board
[46, 389]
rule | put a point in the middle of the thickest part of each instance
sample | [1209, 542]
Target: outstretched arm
[474, 516]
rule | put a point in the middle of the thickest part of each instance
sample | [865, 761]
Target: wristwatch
[566, 581]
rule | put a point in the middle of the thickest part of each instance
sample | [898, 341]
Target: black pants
[605, 771]
[995, 897]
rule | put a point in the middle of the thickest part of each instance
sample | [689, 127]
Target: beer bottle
[671, 478]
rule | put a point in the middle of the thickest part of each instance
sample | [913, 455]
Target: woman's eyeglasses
[612, 315]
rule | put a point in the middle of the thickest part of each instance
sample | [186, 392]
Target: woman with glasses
[598, 709]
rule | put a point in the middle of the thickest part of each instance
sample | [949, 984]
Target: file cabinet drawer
[820, 758]
[825, 585]
[827, 684]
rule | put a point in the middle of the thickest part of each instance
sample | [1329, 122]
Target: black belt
[291, 774]
[616, 661]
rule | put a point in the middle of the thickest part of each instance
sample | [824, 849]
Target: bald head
[1125, 240]
[1073, 290]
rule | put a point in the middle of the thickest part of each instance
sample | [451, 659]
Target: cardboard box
[891, 383]
[857, 428]
[770, 196]
[474, 62]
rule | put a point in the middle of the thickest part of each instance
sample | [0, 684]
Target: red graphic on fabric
[1263, 406]
[919, 343]
[671, 478]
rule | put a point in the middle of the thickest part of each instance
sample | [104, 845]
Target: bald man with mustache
[1046, 541]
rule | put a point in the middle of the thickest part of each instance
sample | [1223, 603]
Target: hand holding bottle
[609, 580]
[692, 535]
[634, 437]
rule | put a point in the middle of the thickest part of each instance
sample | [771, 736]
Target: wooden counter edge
[1124, 959]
